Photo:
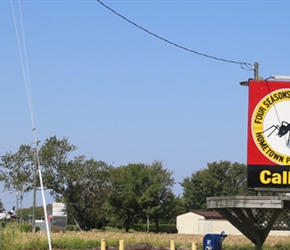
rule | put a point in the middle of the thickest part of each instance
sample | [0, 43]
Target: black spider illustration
[283, 129]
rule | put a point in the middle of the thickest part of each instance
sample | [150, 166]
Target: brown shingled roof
[209, 214]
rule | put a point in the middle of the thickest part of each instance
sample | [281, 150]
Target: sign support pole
[256, 71]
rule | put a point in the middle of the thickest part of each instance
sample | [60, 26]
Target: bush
[57, 229]
[172, 230]
[140, 227]
[27, 228]
[72, 228]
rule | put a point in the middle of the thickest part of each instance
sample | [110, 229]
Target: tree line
[97, 194]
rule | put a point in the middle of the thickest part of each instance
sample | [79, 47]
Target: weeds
[13, 239]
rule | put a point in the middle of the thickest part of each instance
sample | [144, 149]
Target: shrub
[172, 230]
[72, 228]
[27, 228]
[57, 229]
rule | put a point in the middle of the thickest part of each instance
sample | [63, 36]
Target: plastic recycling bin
[213, 241]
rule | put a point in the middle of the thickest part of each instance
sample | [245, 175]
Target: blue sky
[123, 96]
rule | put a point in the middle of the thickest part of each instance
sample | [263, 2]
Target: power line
[25, 70]
[244, 65]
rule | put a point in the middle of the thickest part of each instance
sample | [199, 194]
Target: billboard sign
[58, 209]
[269, 134]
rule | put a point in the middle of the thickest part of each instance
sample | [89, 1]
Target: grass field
[14, 240]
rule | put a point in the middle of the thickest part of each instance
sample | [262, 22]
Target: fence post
[172, 245]
[194, 246]
[121, 245]
[103, 244]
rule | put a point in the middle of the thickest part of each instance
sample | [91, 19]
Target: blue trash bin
[213, 241]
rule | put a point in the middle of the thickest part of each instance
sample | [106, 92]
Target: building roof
[209, 214]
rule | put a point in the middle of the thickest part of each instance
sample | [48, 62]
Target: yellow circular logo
[271, 126]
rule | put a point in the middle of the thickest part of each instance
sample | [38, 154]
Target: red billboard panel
[269, 134]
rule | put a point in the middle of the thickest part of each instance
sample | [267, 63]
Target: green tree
[178, 208]
[140, 190]
[17, 169]
[218, 179]
[127, 186]
[157, 200]
[1, 206]
[82, 184]
[27, 213]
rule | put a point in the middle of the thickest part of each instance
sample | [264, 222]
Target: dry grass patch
[14, 240]
[181, 240]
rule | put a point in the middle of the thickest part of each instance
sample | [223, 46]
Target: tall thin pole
[148, 225]
[256, 71]
[34, 189]
[21, 198]
[16, 212]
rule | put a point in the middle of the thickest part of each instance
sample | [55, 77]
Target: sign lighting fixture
[280, 77]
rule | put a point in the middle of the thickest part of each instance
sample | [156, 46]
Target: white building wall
[205, 226]
[279, 233]
[188, 223]
[191, 223]
[223, 225]
[215, 227]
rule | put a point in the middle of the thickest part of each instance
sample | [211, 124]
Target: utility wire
[23, 61]
[244, 65]
[24, 64]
